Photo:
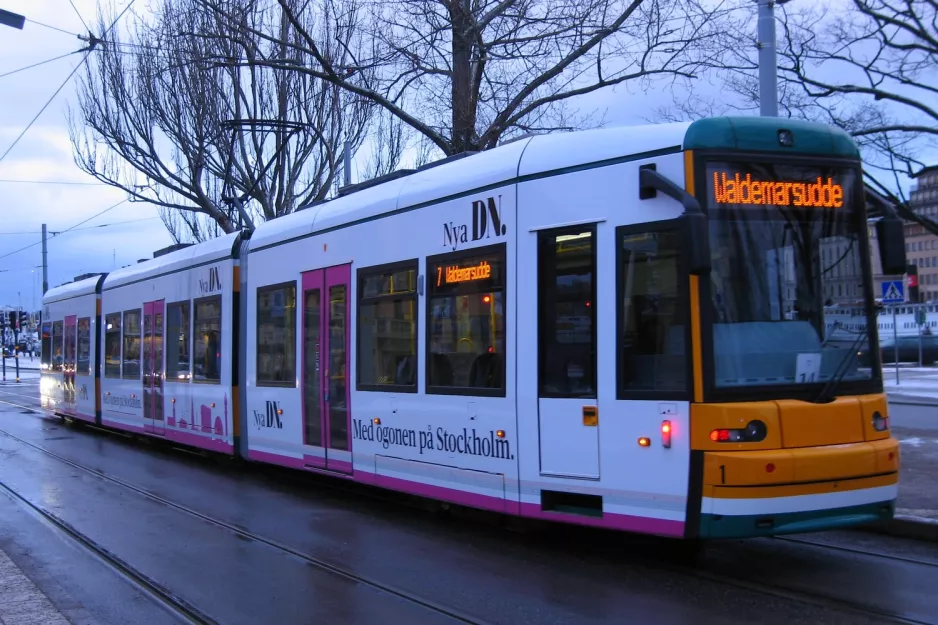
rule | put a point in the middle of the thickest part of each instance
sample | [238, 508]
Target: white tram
[582, 327]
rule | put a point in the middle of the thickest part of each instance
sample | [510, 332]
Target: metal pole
[45, 264]
[348, 163]
[16, 351]
[917, 312]
[768, 65]
[895, 342]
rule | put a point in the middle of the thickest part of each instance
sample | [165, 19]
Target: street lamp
[12, 20]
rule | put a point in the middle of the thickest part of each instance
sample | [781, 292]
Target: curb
[905, 526]
[911, 400]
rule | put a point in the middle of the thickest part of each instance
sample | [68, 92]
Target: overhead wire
[87, 50]
[69, 182]
[23, 69]
[32, 21]
[108, 225]
[79, 15]
[69, 229]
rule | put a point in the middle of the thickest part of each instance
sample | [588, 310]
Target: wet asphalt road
[544, 575]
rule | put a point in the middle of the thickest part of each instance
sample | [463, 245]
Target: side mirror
[696, 229]
[694, 223]
[890, 234]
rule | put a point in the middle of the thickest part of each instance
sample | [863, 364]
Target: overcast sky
[33, 174]
[45, 154]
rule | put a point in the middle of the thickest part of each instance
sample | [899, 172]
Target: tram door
[568, 414]
[153, 366]
[326, 415]
[70, 364]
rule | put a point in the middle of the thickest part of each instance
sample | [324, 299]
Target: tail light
[666, 434]
[880, 423]
[754, 432]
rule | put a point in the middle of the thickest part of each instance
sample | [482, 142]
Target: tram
[621, 328]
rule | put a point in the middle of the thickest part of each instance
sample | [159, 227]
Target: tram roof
[219, 248]
[78, 288]
[544, 155]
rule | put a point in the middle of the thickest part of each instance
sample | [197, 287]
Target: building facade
[921, 246]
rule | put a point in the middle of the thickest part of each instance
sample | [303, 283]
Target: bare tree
[174, 116]
[465, 75]
[869, 67]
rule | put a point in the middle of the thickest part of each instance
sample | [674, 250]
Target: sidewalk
[916, 385]
[21, 602]
[29, 370]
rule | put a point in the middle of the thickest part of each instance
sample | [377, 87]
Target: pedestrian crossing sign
[893, 292]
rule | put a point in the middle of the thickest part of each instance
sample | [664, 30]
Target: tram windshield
[786, 243]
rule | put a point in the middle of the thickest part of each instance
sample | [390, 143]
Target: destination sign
[459, 274]
[454, 274]
[736, 189]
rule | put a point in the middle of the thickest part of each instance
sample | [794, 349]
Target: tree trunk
[463, 119]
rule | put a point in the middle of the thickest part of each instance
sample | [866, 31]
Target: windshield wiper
[827, 391]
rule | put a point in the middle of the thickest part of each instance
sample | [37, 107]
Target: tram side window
[276, 335]
[46, 357]
[112, 346]
[177, 342]
[84, 346]
[466, 317]
[387, 327]
[131, 357]
[58, 336]
[652, 313]
[207, 340]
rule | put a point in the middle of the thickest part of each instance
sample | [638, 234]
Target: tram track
[854, 550]
[800, 595]
[239, 532]
[161, 595]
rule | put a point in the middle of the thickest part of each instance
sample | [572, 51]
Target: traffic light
[24, 320]
[3, 322]
[912, 271]
[12, 316]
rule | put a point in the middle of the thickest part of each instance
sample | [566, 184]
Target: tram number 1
[723, 474]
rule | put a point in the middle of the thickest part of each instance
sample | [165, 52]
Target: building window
[207, 334]
[387, 327]
[84, 346]
[276, 335]
[466, 322]
[112, 346]
[130, 362]
[58, 336]
[177, 342]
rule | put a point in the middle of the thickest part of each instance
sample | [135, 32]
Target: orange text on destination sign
[739, 190]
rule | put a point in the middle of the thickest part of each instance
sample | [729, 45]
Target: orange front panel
[807, 425]
[789, 466]
[834, 462]
[792, 490]
[749, 468]
[870, 404]
[887, 455]
[704, 418]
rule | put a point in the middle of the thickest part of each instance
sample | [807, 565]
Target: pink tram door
[153, 367]
[326, 398]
